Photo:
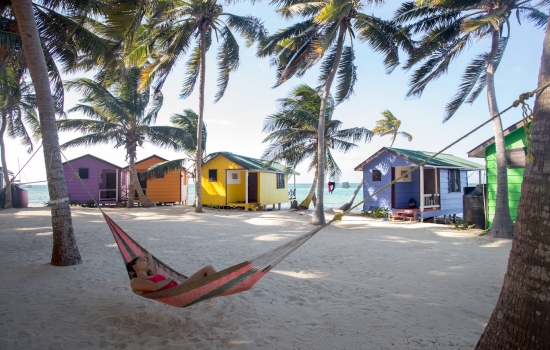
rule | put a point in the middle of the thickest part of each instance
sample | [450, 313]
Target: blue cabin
[436, 187]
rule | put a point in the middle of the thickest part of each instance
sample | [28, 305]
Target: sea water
[38, 195]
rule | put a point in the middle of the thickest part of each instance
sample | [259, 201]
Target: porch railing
[107, 194]
[432, 200]
[124, 194]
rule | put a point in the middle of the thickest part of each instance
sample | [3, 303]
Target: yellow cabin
[237, 181]
[170, 188]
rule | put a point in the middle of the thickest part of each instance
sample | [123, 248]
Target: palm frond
[347, 75]
[381, 36]
[91, 140]
[193, 69]
[161, 169]
[533, 15]
[249, 27]
[228, 60]
[473, 79]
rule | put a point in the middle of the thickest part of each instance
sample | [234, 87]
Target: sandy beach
[360, 284]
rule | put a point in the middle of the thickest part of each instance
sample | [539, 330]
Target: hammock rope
[242, 276]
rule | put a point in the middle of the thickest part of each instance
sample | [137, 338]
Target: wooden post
[421, 206]
[246, 187]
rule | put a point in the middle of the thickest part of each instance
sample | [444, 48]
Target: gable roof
[443, 160]
[94, 157]
[144, 159]
[478, 152]
[253, 163]
[153, 156]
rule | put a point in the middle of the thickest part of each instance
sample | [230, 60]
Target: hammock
[232, 280]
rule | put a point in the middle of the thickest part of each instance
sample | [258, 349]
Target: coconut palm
[293, 134]
[18, 115]
[523, 289]
[39, 40]
[122, 115]
[389, 125]
[447, 28]
[321, 35]
[189, 26]
[187, 121]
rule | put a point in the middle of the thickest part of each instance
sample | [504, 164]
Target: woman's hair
[130, 267]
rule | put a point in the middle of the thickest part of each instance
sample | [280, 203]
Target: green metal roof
[442, 160]
[255, 164]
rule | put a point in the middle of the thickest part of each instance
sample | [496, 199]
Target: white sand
[363, 284]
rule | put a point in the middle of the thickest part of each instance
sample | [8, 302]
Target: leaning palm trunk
[307, 201]
[318, 217]
[502, 225]
[134, 183]
[7, 200]
[520, 317]
[349, 203]
[198, 178]
[65, 251]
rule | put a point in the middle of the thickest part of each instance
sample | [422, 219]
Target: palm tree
[293, 134]
[450, 27]
[389, 125]
[524, 293]
[17, 113]
[321, 36]
[122, 115]
[171, 37]
[65, 251]
[187, 121]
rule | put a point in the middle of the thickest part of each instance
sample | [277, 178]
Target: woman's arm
[142, 285]
[152, 263]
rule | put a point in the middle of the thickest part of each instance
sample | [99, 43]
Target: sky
[235, 123]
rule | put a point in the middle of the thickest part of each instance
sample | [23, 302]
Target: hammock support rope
[242, 276]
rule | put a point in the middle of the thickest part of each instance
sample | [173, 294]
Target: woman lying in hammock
[145, 279]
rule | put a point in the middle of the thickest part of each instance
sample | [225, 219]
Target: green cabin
[516, 146]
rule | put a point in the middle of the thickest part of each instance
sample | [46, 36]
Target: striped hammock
[232, 280]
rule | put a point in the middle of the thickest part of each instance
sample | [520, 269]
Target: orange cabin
[171, 188]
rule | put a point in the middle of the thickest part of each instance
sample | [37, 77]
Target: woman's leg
[205, 271]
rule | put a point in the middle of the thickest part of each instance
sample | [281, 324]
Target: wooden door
[430, 181]
[393, 188]
[110, 184]
[252, 187]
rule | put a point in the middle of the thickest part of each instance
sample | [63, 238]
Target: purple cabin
[101, 178]
[435, 188]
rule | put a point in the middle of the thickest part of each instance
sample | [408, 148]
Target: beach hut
[435, 188]
[169, 188]
[237, 181]
[101, 178]
[516, 146]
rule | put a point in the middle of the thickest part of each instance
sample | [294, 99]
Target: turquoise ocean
[38, 195]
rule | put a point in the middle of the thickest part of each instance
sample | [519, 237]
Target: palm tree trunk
[198, 179]
[7, 200]
[521, 316]
[305, 203]
[349, 203]
[134, 181]
[65, 251]
[318, 217]
[502, 225]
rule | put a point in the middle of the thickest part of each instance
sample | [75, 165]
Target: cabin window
[280, 180]
[515, 157]
[376, 175]
[213, 175]
[83, 173]
[454, 180]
